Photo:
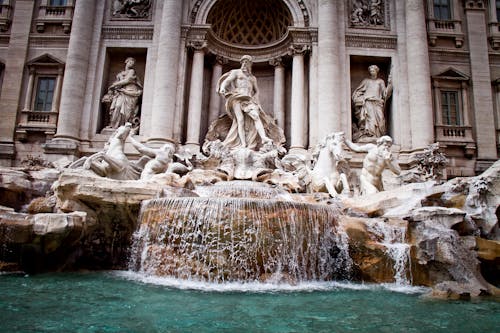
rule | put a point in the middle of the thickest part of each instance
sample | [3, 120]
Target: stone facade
[309, 56]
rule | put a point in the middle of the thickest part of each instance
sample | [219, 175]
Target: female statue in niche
[369, 100]
[123, 96]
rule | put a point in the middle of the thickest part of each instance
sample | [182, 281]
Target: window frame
[36, 94]
[61, 3]
[438, 8]
[446, 106]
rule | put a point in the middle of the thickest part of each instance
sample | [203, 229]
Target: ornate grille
[249, 22]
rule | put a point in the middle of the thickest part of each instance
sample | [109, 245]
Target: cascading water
[393, 238]
[220, 239]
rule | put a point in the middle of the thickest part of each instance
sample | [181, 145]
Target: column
[279, 92]
[73, 87]
[482, 99]
[419, 83]
[215, 99]
[57, 90]
[297, 114]
[329, 58]
[195, 99]
[13, 77]
[29, 93]
[164, 98]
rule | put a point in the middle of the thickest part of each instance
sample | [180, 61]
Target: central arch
[299, 12]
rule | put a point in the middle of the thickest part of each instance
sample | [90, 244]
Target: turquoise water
[124, 302]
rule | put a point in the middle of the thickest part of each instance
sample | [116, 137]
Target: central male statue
[250, 125]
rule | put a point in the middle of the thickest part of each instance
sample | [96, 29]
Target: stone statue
[160, 159]
[376, 12]
[331, 168]
[369, 100]
[379, 158]
[112, 162]
[123, 96]
[431, 163]
[131, 8]
[357, 13]
[245, 124]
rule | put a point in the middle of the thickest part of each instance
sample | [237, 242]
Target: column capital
[276, 62]
[475, 5]
[220, 60]
[198, 45]
[297, 49]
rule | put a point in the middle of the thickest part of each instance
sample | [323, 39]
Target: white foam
[262, 287]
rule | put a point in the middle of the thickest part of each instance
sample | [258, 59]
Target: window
[450, 108]
[57, 2]
[45, 93]
[498, 10]
[442, 9]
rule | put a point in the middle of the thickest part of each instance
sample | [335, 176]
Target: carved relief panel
[131, 9]
[368, 14]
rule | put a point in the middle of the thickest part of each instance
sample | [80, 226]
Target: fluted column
[164, 98]
[215, 99]
[298, 114]
[73, 88]
[329, 59]
[279, 92]
[482, 99]
[195, 99]
[29, 93]
[419, 84]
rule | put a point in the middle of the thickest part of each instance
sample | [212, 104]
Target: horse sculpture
[329, 173]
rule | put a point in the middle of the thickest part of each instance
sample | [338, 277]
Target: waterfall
[393, 238]
[220, 239]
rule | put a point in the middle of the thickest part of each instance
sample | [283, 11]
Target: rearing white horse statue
[329, 171]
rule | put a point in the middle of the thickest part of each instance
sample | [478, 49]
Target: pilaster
[13, 77]
[482, 99]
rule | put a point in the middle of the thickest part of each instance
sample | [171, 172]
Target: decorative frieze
[128, 33]
[371, 42]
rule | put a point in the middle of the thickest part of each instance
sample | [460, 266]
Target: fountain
[243, 209]
[225, 238]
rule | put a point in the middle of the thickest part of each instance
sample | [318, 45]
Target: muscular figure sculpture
[239, 88]
[378, 158]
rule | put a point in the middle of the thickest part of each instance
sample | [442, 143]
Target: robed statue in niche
[369, 100]
[123, 97]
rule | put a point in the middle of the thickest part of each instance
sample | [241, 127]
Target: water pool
[126, 302]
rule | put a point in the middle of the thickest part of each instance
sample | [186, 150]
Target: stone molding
[371, 42]
[475, 5]
[128, 33]
[39, 40]
[202, 36]
[295, 7]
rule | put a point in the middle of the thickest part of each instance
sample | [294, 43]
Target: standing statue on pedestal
[123, 96]
[369, 100]
[379, 158]
[245, 124]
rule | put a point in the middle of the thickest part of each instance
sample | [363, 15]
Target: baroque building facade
[60, 58]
